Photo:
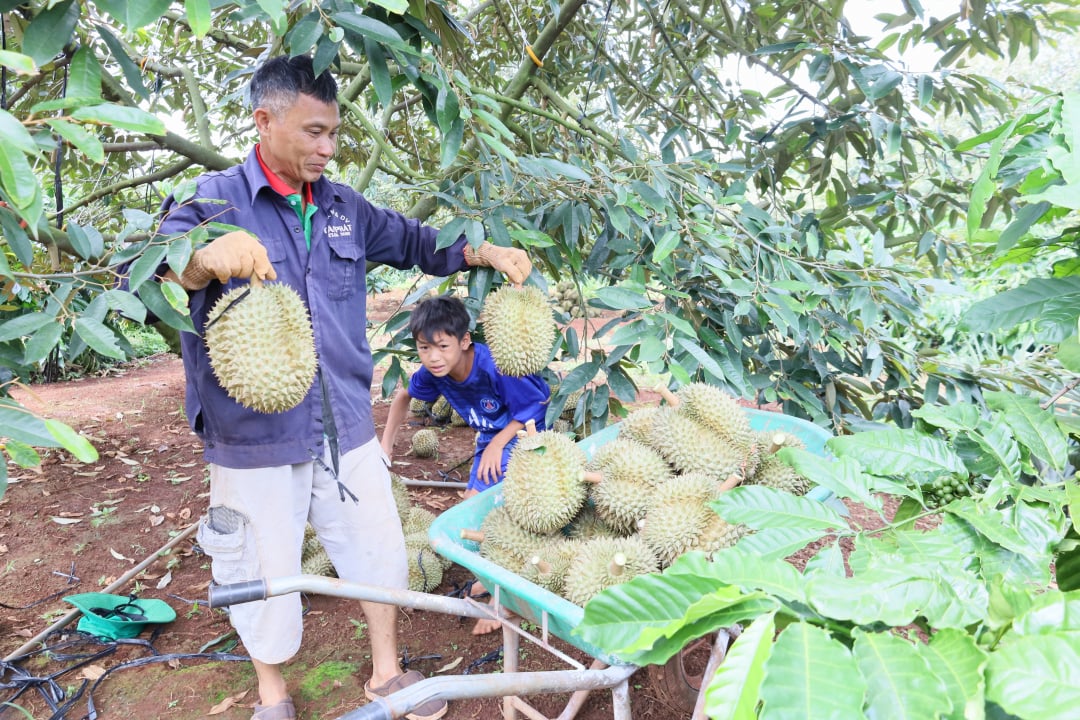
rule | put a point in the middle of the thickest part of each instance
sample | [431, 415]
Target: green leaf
[99, 337]
[198, 17]
[132, 72]
[899, 685]
[451, 143]
[42, 342]
[17, 177]
[1027, 302]
[898, 452]
[369, 27]
[954, 656]
[85, 142]
[615, 297]
[275, 10]
[996, 441]
[398, 7]
[157, 302]
[134, 14]
[666, 245]
[50, 31]
[23, 65]
[1068, 354]
[811, 675]
[380, 71]
[777, 543]
[121, 116]
[18, 423]
[761, 507]
[735, 566]
[1072, 492]
[17, 239]
[22, 454]
[23, 325]
[733, 692]
[84, 75]
[1036, 677]
[72, 441]
[1033, 427]
[447, 108]
[147, 265]
[13, 132]
[559, 169]
[993, 525]
[843, 476]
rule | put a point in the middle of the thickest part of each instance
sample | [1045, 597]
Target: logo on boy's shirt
[489, 405]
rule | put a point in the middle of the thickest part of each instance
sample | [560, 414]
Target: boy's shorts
[475, 483]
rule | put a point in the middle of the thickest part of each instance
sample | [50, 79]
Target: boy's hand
[490, 465]
[514, 263]
[236, 254]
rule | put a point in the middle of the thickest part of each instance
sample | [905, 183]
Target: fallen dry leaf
[156, 520]
[92, 672]
[118, 556]
[227, 703]
[450, 666]
[65, 521]
[165, 580]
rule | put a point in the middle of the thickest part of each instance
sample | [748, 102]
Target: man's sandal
[431, 710]
[282, 710]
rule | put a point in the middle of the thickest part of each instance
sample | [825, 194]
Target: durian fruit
[550, 562]
[425, 443]
[519, 329]
[562, 427]
[401, 495]
[425, 567]
[587, 524]
[718, 411]
[544, 484]
[773, 472]
[418, 407]
[719, 535]
[417, 520]
[311, 543]
[603, 562]
[456, 420]
[692, 448]
[638, 425]
[318, 564]
[503, 541]
[261, 346]
[441, 410]
[622, 475]
[679, 515]
[772, 441]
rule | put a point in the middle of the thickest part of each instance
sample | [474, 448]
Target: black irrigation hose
[56, 594]
[491, 657]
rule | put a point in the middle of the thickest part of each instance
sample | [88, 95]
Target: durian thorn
[670, 397]
[618, 564]
[592, 477]
[474, 535]
[530, 426]
[733, 480]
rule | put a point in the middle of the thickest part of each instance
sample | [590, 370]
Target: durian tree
[771, 236]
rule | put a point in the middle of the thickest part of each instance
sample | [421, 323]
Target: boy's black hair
[439, 314]
[278, 81]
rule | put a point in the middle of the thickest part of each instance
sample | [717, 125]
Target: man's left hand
[514, 263]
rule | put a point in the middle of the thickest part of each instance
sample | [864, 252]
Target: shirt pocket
[344, 274]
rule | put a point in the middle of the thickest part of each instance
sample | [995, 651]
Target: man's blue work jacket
[346, 232]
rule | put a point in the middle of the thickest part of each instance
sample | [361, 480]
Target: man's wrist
[477, 257]
[195, 275]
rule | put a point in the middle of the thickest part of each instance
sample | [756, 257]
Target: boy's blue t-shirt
[487, 399]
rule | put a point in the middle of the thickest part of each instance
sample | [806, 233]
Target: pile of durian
[576, 526]
[426, 567]
[566, 296]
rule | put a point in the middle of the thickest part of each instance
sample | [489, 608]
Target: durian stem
[256, 282]
[542, 566]
[733, 480]
[618, 564]
[474, 535]
[530, 427]
[671, 398]
[778, 441]
[591, 477]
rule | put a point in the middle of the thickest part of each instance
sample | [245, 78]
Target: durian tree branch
[568, 123]
[148, 179]
[380, 142]
[652, 100]
[583, 123]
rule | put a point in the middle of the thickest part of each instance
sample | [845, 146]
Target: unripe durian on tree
[603, 562]
[261, 346]
[544, 485]
[519, 329]
[425, 443]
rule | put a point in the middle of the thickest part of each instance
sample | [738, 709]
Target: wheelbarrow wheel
[677, 683]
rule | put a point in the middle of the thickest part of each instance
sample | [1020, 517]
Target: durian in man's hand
[262, 346]
[519, 329]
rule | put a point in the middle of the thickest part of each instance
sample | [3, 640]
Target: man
[319, 462]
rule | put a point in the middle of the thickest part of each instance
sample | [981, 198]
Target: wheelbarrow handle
[236, 593]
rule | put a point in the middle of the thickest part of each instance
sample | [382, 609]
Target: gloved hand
[236, 254]
[514, 263]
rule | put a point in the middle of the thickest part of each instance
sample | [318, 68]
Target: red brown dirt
[96, 521]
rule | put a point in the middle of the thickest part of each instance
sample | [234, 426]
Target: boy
[493, 404]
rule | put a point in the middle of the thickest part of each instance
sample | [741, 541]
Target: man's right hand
[237, 254]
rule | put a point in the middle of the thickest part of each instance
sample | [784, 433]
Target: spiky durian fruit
[718, 411]
[503, 541]
[318, 564]
[419, 407]
[587, 524]
[401, 495]
[549, 563]
[678, 515]
[311, 543]
[425, 567]
[456, 420]
[720, 534]
[519, 329]
[562, 426]
[773, 472]
[628, 471]
[691, 447]
[425, 443]
[544, 484]
[441, 410]
[603, 562]
[773, 441]
[638, 425]
[417, 520]
[261, 346]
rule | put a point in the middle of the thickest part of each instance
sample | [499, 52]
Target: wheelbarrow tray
[536, 604]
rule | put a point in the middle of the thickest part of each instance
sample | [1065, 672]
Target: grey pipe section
[233, 593]
[459, 687]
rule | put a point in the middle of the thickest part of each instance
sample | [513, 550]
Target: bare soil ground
[68, 528]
